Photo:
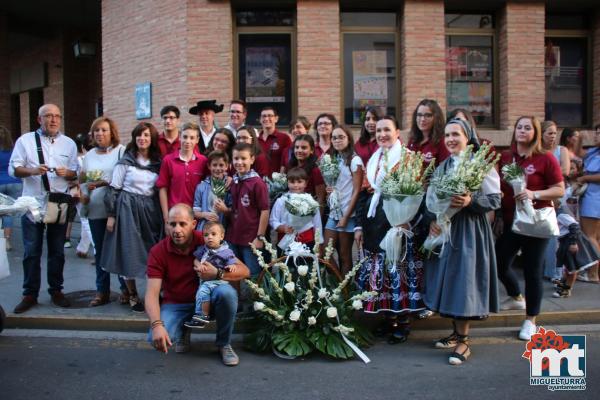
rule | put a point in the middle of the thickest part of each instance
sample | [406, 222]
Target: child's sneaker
[198, 321]
[67, 244]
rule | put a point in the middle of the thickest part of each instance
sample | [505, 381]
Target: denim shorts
[332, 225]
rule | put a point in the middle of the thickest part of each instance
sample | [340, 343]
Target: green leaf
[258, 341]
[292, 343]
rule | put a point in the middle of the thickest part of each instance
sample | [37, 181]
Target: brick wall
[318, 55]
[5, 117]
[422, 67]
[521, 27]
[143, 41]
[49, 50]
[209, 65]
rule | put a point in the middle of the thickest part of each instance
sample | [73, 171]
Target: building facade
[498, 59]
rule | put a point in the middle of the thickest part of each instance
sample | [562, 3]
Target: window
[264, 53]
[470, 65]
[369, 63]
[566, 70]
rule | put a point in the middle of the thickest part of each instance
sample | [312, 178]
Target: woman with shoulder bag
[95, 177]
[544, 183]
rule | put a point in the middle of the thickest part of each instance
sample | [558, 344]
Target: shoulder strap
[38, 143]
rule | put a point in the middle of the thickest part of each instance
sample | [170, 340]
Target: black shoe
[26, 303]
[400, 332]
[59, 299]
[136, 304]
[194, 324]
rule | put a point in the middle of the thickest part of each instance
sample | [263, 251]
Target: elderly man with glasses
[48, 172]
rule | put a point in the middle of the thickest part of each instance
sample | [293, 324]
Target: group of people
[191, 202]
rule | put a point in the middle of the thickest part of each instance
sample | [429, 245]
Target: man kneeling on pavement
[171, 268]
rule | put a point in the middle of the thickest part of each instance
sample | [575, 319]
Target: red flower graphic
[545, 339]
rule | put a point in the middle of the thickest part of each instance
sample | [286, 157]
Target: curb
[139, 324]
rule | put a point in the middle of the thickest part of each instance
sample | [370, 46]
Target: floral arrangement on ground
[301, 306]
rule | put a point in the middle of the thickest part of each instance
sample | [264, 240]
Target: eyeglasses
[235, 112]
[168, 117]
[324, 123]
[425, 115]
[267, 116]
[342, 137]
[52, 116]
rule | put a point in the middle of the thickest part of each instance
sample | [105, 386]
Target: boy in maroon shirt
[273, 142]
[249, 214]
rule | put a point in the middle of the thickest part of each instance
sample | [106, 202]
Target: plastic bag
[528, 221]
[443, 213]
[398, 211]
[296, 222]
[4, 269]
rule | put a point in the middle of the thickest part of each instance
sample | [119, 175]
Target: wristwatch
[536, 195]
[219, 274]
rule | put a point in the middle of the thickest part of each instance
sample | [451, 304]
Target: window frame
[368, 30]
[578, 34]
[489, 32]
[266, 30]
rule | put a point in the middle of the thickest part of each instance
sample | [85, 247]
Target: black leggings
[532, 252]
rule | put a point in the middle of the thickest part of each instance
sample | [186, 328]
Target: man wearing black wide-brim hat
[206, 110]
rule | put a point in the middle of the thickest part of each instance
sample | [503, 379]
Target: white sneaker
[513, 303]
[528, 329]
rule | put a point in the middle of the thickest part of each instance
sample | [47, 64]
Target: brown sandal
[100, 299]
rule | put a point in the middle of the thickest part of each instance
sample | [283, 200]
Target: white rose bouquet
[302, 207]
[465, 176]
[330, 170]
[402, 189]
[302, 304]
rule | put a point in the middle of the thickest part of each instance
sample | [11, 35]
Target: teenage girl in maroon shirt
[427, 131]
[544, 184]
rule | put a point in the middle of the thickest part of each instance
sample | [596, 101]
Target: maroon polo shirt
[431, 151]
[542, 171]
[249, 198]
[167, 147]
[176, 269]
[262, 166]
[180, 178]
[365, 151]
[274, 147]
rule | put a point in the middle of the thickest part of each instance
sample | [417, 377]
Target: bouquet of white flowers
[330, 170]
[304, 305]
[466, 176]
[94, 175]
[302, 207]
[402, 190]
[277, 185]
[527, 220]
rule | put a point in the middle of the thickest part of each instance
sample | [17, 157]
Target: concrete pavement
[583, 307]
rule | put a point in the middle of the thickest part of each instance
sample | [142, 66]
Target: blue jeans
[13, 190]
[204, 291]
[98, 227]
[245, 254]
[33, 242]
[223, 306]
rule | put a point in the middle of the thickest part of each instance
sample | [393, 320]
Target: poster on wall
[265, 74]
[143, 100]
[370, 86]
[469, 63]
[475, 97]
